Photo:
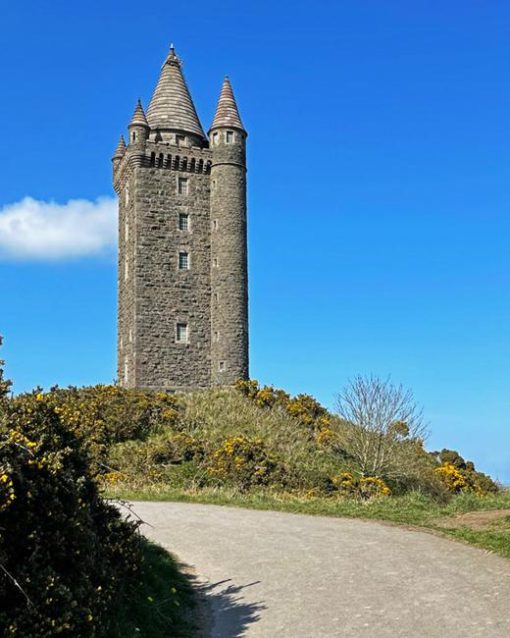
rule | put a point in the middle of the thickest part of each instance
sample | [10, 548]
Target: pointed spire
[121, 148]
[227, 113]
[171, 106]
[139, 118]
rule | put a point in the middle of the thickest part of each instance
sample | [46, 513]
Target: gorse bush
[459, 476]
[103, 415]
[64, 552]
[360, 487]
[245, 462]
[66, 556]
[303, 407]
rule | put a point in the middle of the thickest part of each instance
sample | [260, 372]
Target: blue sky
[379, 169]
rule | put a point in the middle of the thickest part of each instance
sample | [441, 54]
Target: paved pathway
[276, 575]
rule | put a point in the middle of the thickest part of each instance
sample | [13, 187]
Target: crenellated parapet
[161, 156]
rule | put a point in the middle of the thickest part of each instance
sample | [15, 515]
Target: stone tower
[182, 267]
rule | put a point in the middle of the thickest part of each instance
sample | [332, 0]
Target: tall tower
[182, 267]
[229, 269]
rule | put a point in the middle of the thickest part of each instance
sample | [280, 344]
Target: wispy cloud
[38, 230]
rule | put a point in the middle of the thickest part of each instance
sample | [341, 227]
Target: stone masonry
[182, 263]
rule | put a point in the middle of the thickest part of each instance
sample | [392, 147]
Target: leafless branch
[384, 425]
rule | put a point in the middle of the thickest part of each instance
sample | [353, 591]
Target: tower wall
[126, 261]
[155, 295]
[229, 278]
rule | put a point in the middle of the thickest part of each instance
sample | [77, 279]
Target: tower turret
[138, 127]
[229, 271]
[120, 150]
[117, 157]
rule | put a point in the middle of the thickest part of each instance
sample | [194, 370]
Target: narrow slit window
[230, 137]
[181, 333]
[182, 185]
[179, 140]
[183, 221]
[222, 366]
[183, 261]
[215, 138]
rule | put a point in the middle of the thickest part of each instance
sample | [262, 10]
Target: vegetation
[69, 564]
[161, 604]
[384, 428]
[251, 437]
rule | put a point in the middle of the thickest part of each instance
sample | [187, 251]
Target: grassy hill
[259, 447]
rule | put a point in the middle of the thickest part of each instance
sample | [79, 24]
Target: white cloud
[37, 230]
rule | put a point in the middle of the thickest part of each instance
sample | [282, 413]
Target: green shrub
[458, 475]
[362, 488]
[244, 462]
[103, 415]
[64, 552]
[303, 407]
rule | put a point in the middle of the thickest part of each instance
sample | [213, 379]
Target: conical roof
[139, 118]
[121, 147]
[227, 113]
[171, 106]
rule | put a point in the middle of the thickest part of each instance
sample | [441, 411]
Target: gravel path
[282, 575]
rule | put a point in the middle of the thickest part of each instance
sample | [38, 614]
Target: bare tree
[384, 426]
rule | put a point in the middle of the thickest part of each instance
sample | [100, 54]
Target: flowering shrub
[302, 407]
[65, 554]
[327, 437]
[458, 475]
[7, 494]
[102, 415]
[243, 461]
[451, 477]
[362, 488]
[308, 411]
[248, 387]
[177, 447]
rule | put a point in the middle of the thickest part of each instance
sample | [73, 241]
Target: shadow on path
[229, 615]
